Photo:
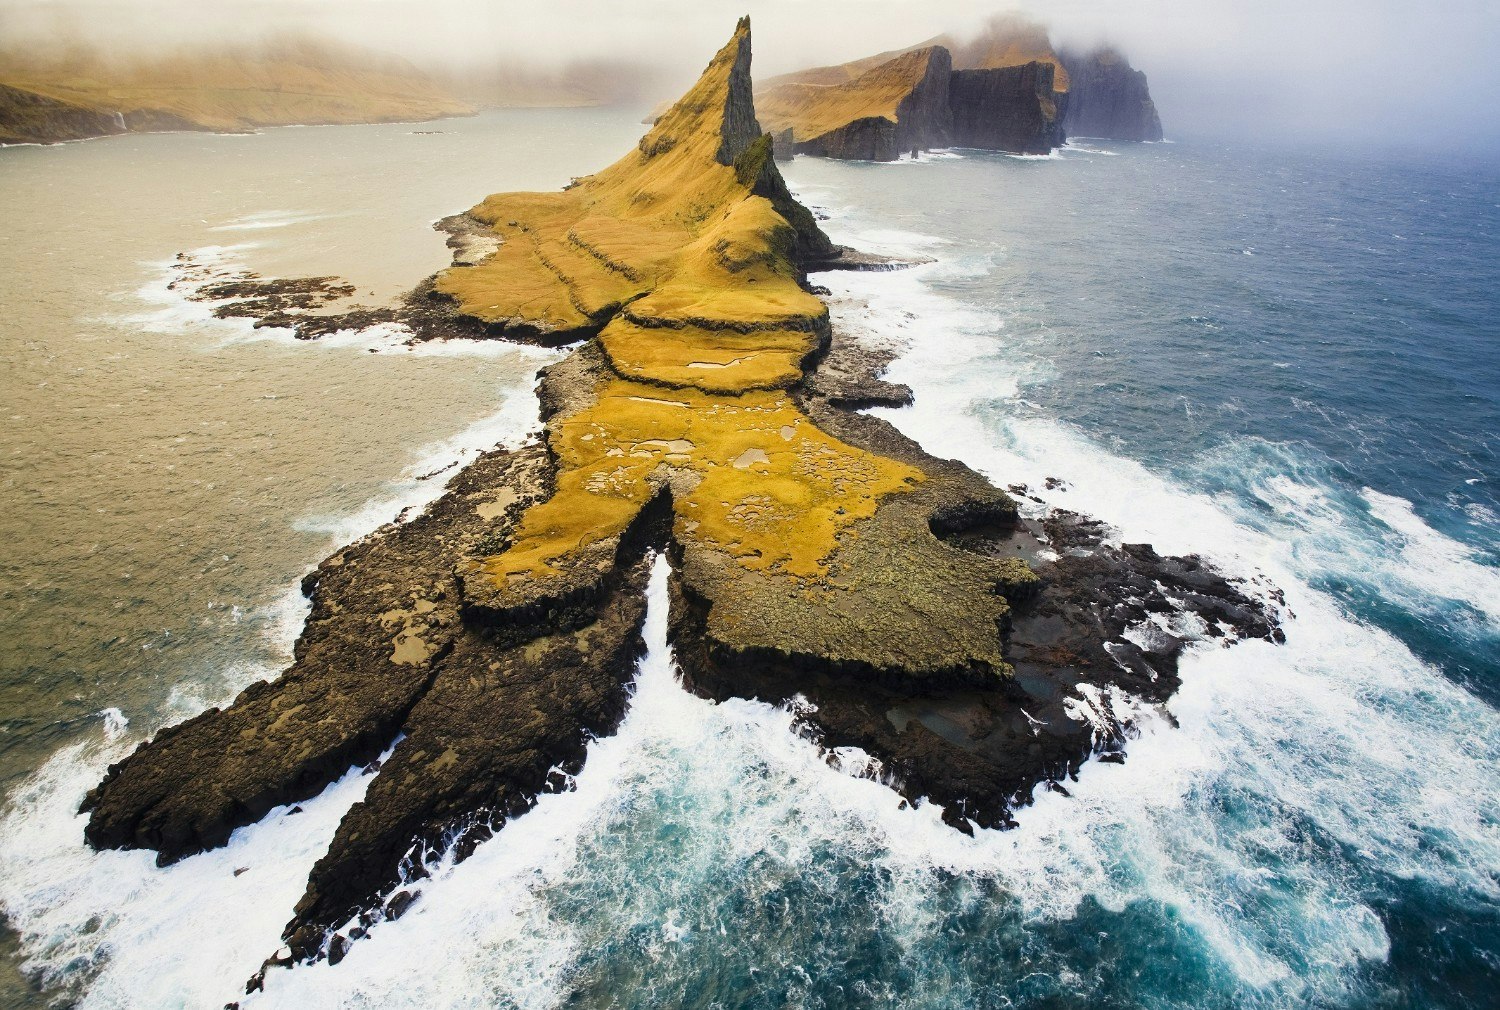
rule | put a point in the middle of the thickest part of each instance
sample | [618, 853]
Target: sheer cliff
[1109, 98]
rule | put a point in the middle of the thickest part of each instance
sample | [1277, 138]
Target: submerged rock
[818, 553]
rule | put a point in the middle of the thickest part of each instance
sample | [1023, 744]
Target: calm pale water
[1286, 361]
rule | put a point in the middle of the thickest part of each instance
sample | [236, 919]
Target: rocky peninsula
[710, 412]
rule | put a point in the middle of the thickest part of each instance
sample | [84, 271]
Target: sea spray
[1262, 852]
[103, 926]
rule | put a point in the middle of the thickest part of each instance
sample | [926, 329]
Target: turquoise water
[1284, 360]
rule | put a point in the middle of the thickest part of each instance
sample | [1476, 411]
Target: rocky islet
[817, 553]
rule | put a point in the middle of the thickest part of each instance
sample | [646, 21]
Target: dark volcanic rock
[1006, 109]
[390, 649]
[1108, 98]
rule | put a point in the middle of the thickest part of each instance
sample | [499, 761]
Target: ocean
[1285, 360]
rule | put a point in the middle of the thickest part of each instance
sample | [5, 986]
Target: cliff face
[286, 82]
[1006, 109]
[1109, 98]
[897, 106]
[917, 101]
[26, 117]
[1006, 89]
[1010, 40]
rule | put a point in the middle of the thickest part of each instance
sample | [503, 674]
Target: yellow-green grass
[687, 273]
[713, 360]
[773, 491]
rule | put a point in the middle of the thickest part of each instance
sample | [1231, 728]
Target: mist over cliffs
[1108, 97]
[1007, 89]
[76, 90]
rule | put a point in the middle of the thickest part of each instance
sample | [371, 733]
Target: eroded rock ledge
[817, 553]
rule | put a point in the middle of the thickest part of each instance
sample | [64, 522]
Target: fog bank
[1332, 69]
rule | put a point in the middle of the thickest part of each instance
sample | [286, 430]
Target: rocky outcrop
[1109, 98]
[709, 414]
[1007, 109]
[917, 101]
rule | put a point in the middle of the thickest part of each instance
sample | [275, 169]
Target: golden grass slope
[679, 259]
[673, 237]
[767, 488]
[283, 82]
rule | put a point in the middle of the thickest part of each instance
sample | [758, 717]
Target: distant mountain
[83, 92]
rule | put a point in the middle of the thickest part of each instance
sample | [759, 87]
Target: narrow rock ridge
[817, 552]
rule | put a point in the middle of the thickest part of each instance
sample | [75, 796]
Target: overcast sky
[1423, 71]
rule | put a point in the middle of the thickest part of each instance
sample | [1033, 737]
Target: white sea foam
[170, 310]
[1339, 728]
[119, 932]
[270, 219]
[1341, 731]
[1436, 563]
[931, 157]
[1074, 147]
[173, 308]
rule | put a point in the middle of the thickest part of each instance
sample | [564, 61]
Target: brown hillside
[286, 81]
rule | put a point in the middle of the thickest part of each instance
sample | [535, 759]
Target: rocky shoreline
[820, 558]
